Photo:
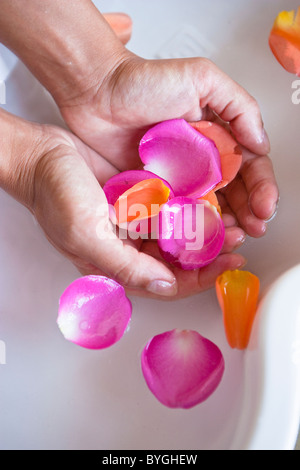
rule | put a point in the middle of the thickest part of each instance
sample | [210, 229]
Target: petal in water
[284, 40]
[190, 233]
[182, 368]
[237, 293]
[94, 312]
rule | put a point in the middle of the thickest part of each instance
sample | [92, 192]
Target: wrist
[66, 47]
[21, 144]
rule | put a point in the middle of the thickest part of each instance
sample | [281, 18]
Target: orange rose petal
[237, 292]
[211, 197]
[144, 198]
[230, 151]
[284, 40]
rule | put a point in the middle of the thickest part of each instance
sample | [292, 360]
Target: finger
[237, 198]
[233, 104]
[73, 211]
[121, 24]
[199, 280]
[259, 179]
[234, 238]
[228, 216]
[205, 278]
[195, 281]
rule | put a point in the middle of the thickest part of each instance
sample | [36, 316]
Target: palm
[113, 120]
[115, 128]
[71, 207]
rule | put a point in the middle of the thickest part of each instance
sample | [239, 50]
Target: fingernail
[264, 140]
[240, 241]
[273, 211]
[242, 263]
[165, 288]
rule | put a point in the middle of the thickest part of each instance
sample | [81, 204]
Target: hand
[139, 95]
[58, 178]
[109, 98]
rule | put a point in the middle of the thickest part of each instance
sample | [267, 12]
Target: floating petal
[237, 293]
[94, 312]
[182, 368]
[284, 40]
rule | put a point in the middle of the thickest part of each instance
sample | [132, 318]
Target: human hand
[59, 179]
[141, 93]
[109, 97]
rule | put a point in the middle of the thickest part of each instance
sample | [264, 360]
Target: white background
[55, 395]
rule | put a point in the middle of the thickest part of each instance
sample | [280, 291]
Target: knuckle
[125, 274]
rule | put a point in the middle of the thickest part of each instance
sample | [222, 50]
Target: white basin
[55, 395]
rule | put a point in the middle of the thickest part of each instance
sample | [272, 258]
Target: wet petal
[284, 40]
[94, 312]
[237, 293]
[182, 368]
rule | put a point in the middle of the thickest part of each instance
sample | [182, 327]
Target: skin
[109, 97]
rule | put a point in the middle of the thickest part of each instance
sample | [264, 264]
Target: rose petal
[230, 151]
[237, 292]
[182, 368]
[189, 161]
[118, 184]
[94, 312]
[191, 233]
[142, 201]
[284, 40]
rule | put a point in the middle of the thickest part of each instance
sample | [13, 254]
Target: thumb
[121, 260]
[72, 209]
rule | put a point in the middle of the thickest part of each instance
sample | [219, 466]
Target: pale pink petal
[94, 312]
[182, 368]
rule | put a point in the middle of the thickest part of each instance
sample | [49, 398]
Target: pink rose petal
[181, 155]
[120, 183]
[182, 368]
[94, 312]
[191, 233]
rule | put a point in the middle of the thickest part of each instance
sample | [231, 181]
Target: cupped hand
[70, 206]
[112, 116]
